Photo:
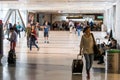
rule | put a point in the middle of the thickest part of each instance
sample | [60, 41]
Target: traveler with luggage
[86, 47]
[12, 39]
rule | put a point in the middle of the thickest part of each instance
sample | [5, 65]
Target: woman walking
[86, 46]
[33, 38]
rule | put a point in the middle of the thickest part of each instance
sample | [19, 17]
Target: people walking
[12, 39]
[71, 25]
[19, 29]
[46, 32]
[33, 38]
[28, 34]
[79, 28]
[8, 26]
[86, 47]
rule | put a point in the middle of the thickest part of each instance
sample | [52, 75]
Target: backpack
[11, 57]
[28, 31]
[10, 25]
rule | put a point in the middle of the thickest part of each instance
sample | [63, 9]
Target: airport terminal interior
[52, 58]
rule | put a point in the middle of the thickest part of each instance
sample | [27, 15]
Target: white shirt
[87, 44]
[13, 37]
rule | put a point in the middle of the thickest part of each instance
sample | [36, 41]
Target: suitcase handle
[80, 56]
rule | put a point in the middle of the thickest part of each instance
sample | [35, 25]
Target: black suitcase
[11, 57]
[77, 65]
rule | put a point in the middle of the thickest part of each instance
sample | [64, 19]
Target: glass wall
[13, 16]
[3, 13]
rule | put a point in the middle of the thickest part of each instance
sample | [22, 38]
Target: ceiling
[60, 6]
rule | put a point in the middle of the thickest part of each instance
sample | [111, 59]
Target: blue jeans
[78, 30]
[89, 61]
[32, 42]
[19, 33]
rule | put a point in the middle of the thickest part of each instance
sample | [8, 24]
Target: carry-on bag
[77, 65]
[11, 57]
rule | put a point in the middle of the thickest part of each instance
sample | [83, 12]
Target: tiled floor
[52, 62]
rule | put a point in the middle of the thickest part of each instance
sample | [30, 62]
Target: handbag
[96, 50]
[95, 47]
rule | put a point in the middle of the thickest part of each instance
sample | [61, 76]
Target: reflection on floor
[52, 62]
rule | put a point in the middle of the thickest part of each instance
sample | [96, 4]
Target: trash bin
[112, 64]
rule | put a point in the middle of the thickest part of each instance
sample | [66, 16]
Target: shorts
[45, 34]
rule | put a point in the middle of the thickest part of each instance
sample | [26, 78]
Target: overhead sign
[74, 17]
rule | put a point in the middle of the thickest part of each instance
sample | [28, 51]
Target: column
[1, 40]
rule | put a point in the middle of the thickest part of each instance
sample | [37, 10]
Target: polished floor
[53, 61]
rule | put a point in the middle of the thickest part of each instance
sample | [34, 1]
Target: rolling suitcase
[77, 65]
[11, 57]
